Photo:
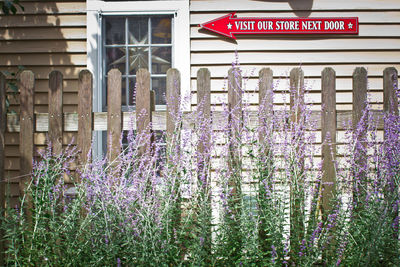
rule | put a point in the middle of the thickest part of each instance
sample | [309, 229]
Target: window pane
[160, 59]
[161, 30]
[115, 30]
[159, 87]
[138, 58]
[138, 30]
[115, 58]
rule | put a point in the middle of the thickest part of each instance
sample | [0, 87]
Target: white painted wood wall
[376, 47]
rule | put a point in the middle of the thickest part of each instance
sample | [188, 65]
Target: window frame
[180, 49]
[150, 45]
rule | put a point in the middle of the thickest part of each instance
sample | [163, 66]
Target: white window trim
[180, 47]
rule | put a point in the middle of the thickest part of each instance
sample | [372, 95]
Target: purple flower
[201, 241]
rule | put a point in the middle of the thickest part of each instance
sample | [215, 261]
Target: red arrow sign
[230, 25]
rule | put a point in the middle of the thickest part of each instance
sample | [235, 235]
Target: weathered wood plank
[328, 132]
[359, 122]
[390, 84]
[203, 121]
[235, 119]
[3, 117]
[173, 104]
[152, 109]
[3, 123]
[159, 120]
[173, 98]
[297, 195]
[56, 111]
[85, 118]
[297, 93]
[173, 101]
[114, 113]
[360, 85]
[265, 101]
[390, 107]
[143, 108]
[27, 129]
[203, 126]
[235, 124]
[265, 130]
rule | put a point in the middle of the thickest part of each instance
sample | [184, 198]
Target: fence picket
[328, 132]
[173, 100]
[360, 83]
[390, 107]
[203, 121]
[203, 124]
[3, 117]
[26, 134]
[143, 107]
[235, 119]
[265, 100]
[265, 110]
[297, 179]
[152, 109]
[56, 111]
[85, 118]
[114, 113]
[297, 93]
[173, 94]
[390, 84]
[235, 124]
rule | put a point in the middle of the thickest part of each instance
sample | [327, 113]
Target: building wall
[376, 47]
[51, 35]
[48, 35]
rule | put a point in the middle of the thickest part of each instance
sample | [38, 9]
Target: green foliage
[140, 210]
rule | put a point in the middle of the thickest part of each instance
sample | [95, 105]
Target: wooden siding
[376, 47]
[48, 35]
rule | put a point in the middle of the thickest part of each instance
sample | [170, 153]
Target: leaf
[13, 9]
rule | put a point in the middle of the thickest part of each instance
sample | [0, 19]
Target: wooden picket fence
[85, 121]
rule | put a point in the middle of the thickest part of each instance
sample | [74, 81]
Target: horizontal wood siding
[48, 35]
[376, 47]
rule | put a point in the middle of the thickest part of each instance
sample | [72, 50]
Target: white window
[129, 35]
[133, 42]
